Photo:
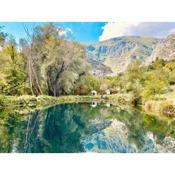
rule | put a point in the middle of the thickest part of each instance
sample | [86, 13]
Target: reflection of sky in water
[72, 128]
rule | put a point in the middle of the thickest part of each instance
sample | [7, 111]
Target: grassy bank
[29, 103]
[162, 108]
[41, 101]
[26, 103]
[162, 105]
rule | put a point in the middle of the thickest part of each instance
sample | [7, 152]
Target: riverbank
[41, 101]
[27, 103]
[30, 103]
[161, 105]
[164, 108]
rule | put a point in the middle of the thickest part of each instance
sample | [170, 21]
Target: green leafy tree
[92, 83]
[15, 74]
[153, 85]
[55, 64]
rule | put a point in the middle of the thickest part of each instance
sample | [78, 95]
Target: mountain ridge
[117, 53]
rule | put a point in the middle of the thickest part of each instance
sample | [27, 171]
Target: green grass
[170, 96]
[32, 101]
[162, 105]
[27, 103]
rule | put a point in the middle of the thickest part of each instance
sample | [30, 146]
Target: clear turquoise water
[76, 128]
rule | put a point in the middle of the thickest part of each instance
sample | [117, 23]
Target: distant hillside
[165, 49]
[118, 53]
[99, 69]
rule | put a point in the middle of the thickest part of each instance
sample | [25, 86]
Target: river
[77, 128]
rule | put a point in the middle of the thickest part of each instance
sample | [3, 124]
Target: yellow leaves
[50, 39]
[170, 66]
[4, 61]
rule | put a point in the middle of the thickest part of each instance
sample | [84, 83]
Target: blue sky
[81, 31]
[98, 31]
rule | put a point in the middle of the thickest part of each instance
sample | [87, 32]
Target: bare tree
[33, 78]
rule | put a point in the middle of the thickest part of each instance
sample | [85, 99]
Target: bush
[164, 107]
[2, 100]
[168, 109]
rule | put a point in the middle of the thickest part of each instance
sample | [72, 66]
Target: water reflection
[71, 128]
[94, 104]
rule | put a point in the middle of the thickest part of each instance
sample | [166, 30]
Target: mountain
[99, 69]
[118, 53]
[165, 49]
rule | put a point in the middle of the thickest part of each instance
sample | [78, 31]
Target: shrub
[167, 108]
[1, 100]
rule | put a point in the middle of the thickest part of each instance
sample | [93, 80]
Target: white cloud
[153, 29]
[116, 29]
[66, 32]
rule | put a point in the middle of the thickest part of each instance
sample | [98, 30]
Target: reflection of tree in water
[61, 128]
[9, 122]
[139, 123]
[159, 128]
[57, 129]
[137, 130]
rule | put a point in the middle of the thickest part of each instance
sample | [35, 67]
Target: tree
[104, 85]
[153, 85]
[55, 64]
[3, 36]
[30, 53]
[169, 70]
[15, 74]
[91, 83]
[3, 61]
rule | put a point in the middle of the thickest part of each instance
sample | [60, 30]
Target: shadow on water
[73, 128]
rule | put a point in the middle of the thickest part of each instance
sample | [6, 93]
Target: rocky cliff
[165, 49]
[117, 53]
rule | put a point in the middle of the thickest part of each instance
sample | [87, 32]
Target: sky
[88, 32]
